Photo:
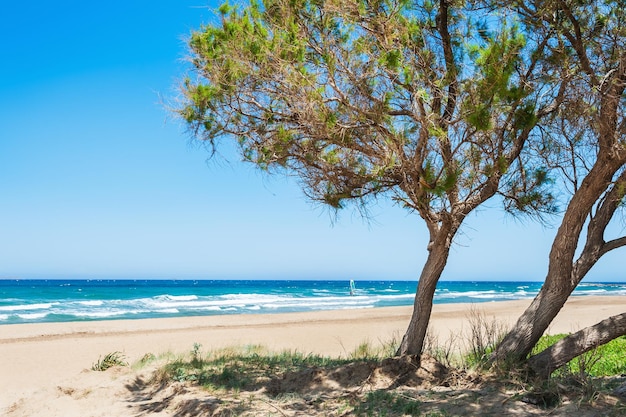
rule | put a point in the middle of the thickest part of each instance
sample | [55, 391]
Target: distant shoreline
[76, 301]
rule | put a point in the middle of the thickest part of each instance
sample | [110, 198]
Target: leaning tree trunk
[563, 351]
[563, 273]
[413, 340]
[530, 326]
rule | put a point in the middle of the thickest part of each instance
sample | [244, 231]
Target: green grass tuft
[386, 403]
[110, 360]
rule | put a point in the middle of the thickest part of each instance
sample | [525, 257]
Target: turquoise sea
[30, 301]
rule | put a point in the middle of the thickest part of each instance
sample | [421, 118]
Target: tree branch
[563, 351]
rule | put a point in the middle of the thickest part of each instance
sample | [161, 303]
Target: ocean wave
[471, 294]
[159, 305]
[176, 297]
[92, 303]
[602, 284]
[484, 295]
[594, 292]
[32, 316]
[254, 296]
[169, 311]
[394, 297]
[157, 300]
[320, 303]
[355, 307]
[22, 307]
[101, 314]
[599, 292]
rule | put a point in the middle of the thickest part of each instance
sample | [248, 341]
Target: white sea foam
[22, 307]
[600, 292]
[106, 313]
[394, 297]
[252, 298]
[354, 308]
[92, 303]
[207, 303]
[176, 297]
[214, 308]
[276, 299]
[320, 303]
[483, 295]
[32, 316]
[159, 305]
[594, 292]
[470, 294]
[169, 311]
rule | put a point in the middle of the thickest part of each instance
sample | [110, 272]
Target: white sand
[40, 359]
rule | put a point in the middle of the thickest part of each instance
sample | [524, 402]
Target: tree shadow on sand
[309, 390]
[389, 387]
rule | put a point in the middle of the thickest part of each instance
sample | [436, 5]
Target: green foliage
[109, 360]
[529, 193]
[496, 59]
[385, 403]
[605, 360]
[366, 351]
[238, 369]
[428, 103]
[355, 97]
[483, 336]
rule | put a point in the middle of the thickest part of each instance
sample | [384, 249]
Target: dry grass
[367, 382]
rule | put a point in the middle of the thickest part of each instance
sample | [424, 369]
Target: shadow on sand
[391, 387]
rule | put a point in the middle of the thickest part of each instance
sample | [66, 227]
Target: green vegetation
[246, 368]
[385, 403]
[110, 360]
[429, 104]
[251, 381]
[439, 107]
[603, 361]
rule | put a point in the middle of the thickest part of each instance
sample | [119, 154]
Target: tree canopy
[428, 103]
[363, 98]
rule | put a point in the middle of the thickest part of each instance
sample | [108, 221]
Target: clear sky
[98, 180]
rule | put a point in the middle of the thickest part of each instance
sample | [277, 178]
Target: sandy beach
[37, 360]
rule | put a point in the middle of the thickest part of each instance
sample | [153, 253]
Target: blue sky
[98, 180]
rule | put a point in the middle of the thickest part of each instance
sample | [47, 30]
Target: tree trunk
[530, 326]
[562, 277]
[413, 340]
[563, 351]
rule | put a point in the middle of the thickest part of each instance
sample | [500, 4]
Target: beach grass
[243, 376]
[250, 378]
[109, 360]
[383, 402]
[242, 368]
[368, 381]
[603, 361]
